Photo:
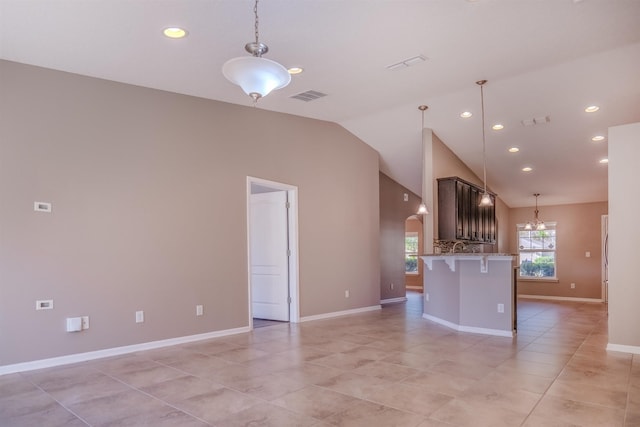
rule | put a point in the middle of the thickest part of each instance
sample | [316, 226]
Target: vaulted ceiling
[542, 59]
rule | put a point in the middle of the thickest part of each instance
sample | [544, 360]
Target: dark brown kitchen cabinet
[460, 216]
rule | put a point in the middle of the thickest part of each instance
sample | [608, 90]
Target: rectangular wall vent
[309, 95]
[42, 207]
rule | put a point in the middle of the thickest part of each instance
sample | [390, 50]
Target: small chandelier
[485, 200]
[256, 75]
[422, 209]
[537, 223]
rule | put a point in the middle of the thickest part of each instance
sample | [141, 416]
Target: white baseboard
[116, 351]
[392, 300]
[548, 297]
[634, 349]
[470, 329]
[340, 313]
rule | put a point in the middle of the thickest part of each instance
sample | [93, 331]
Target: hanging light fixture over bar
[537, 223]
[422, 209]
[485, 200]
[256, 75]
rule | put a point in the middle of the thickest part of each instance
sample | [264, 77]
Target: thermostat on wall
[42, 207]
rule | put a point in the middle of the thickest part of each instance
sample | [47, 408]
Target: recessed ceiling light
[466, 114]
[295, 70]
[527, 169]
[604, 161]
[497, 126]
[591, 109]
[598, 138]
[174, 32]
[514, 149]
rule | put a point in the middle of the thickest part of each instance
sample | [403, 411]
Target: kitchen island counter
[471, 292]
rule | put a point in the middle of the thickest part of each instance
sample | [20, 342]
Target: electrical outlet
[199, 310]
[139, 316]
[346, 294]
[573, 286]
[391, 286]
[85, 322]
[426, 296]
[500, 308]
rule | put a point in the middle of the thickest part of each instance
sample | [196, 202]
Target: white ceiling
[541, 57]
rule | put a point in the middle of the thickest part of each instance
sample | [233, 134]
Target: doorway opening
[413, 248]
[272, 252]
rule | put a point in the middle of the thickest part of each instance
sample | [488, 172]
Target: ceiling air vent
[409, 62]
[309, 95]
[536, 121]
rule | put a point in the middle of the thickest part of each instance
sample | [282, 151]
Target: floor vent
[309, 95]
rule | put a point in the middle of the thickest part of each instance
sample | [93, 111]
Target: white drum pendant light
[256, 75]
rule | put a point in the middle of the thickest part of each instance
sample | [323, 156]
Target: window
[537, 250]
[411, 252]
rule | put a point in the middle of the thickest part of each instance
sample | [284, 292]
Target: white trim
[392, 300]
[340, 313]
[294, 274]
[414, 288]
[115, 351]
[634, 349]
[549, 297]
[470, 329]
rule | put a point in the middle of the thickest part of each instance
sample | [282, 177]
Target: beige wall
[149, 211]
[578, 231]
[624, 235]
[445, 164]
[393, 213]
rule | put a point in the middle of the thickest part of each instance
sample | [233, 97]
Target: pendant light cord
[255, 12]
[422, 209]
[484, 144]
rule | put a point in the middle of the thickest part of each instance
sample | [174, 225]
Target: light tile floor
[383, 368]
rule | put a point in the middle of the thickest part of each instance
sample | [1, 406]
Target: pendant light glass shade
[256, 76]
[486, 200]
[422, 209]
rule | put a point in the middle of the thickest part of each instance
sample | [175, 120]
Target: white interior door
[269, 259]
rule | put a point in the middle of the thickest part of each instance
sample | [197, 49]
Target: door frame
[292, 225]
[604, 261]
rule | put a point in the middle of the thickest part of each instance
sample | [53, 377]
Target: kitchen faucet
[453, 249]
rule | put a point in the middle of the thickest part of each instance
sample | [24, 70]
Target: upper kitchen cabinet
[460, 216]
